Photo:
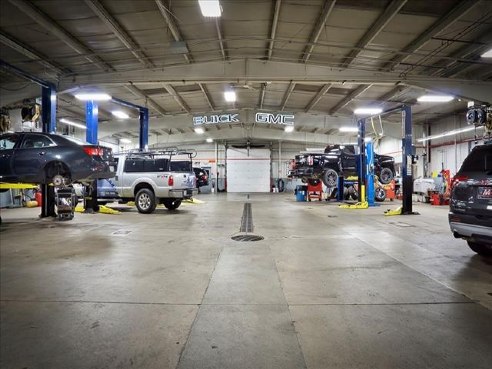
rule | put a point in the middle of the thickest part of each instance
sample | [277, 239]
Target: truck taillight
[170, 181]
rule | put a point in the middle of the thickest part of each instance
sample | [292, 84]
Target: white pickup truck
[155, 177]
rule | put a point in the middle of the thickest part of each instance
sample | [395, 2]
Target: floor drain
[247, 237]
[246, 230]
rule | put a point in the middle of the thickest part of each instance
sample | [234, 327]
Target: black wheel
[172, 204]
[380, 194]
[330, 178]
[481, 248]
[386, 175]
[145, 201]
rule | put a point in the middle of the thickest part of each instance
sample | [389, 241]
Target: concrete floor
[326, 288]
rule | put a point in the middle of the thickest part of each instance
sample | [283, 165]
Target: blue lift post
[144, 122]
[371, 195]
[48, 117]
[91, 118]
[361, 162]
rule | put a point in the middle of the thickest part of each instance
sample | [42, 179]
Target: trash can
[301, 193]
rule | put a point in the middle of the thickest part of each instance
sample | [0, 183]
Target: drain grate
[247, 237]
[246, 230]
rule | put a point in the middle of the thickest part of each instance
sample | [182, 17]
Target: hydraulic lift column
[361, 162]
[91, 116]
[48, 117]
[407, 157]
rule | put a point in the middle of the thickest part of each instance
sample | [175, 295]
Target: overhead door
[248, 170]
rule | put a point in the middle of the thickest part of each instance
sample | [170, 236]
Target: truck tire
[172, 204]
[380, 194]
[386, 175]
[481, 248]
[330, 178]
[145, 201]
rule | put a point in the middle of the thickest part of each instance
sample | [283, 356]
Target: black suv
[338, 160]
[470, 213]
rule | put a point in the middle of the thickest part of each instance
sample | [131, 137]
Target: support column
[406, 167]
[361, 162]
[370, 173]
[48, 118]
[91, 117]
[144, 129]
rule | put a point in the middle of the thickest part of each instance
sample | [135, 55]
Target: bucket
[300, 195]
[39, 197]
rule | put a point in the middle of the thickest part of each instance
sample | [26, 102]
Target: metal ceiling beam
[273, 31]
[119, 32]
[320, 23]
[342, 103]
[259, 71]
[473, 90]
[318, 97]
[218, 25]
[287, 95]
[391, 10]
[470, 51]
[458, 11]
[30, 53]
[206, 93]
[49, 24]
[137, 92]
[391, 94]
[173, 27]
[262, 95]
[177, 97]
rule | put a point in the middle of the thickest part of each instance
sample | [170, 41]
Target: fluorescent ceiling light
[367, 111]
[199, 130]
[230, 96]
[125, 140]
[289, 129]
[70, 123]
[209, 140]
[449, 133]
[120, 114]
[93, 96]
[435, 98]
[348, 129]
[210, 8]
[487, 54]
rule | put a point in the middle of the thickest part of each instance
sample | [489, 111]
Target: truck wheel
[380, 194]
[172, 204]
[330, 178]
[386, 175]
[145, 201]
[481, 248]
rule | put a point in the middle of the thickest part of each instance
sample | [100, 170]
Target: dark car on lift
[338, 160]
[44, 158]
[470, 206]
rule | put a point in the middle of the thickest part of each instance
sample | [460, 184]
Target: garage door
[248, 171]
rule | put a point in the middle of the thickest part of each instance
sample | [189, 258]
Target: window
[8, 141]
[181, 166]
[480, 160]
[156, 165]
[36, 141]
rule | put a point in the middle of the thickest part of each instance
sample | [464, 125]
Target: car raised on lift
[44, 158]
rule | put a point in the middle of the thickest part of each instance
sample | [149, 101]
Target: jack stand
[65, 202]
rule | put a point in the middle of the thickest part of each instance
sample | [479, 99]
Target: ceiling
[320, 59]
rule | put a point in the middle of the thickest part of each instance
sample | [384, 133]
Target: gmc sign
[269, 118]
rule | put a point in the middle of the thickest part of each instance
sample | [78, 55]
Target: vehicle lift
[366, 166]
[60, 195]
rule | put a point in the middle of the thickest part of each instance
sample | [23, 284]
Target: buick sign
[280, 118]
[218, 118]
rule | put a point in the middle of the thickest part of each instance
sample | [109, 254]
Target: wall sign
[260, 117]
[216, 118]
[275, 118]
